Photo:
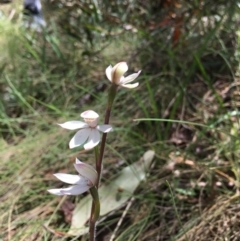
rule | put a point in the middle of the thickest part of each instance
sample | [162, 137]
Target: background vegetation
[188, 95]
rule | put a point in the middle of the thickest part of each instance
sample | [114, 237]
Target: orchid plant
[88, 136]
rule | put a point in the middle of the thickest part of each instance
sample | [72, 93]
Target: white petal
[79, 162]
[79, 138]
[93, 139]
[72, 190]
[104, 128]
[55, 191]
[73, 125]
[70, 179]
[86, 171]
[130, 86]
[82, 166]
[130, 78]
[108, 72]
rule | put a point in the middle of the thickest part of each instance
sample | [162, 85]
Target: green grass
[185, 109]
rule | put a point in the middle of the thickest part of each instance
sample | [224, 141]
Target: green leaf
[113, 194]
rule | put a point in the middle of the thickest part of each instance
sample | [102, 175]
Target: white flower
[89, 130]
[86, 179]
[115, 75]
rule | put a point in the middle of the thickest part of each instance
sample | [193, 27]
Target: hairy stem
[92, 222]
[111, 97]
[95, 210]
[92, 230]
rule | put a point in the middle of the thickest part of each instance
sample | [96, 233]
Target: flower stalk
[95, 197]
[99, 157]
[111, 96]
[95, 212]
